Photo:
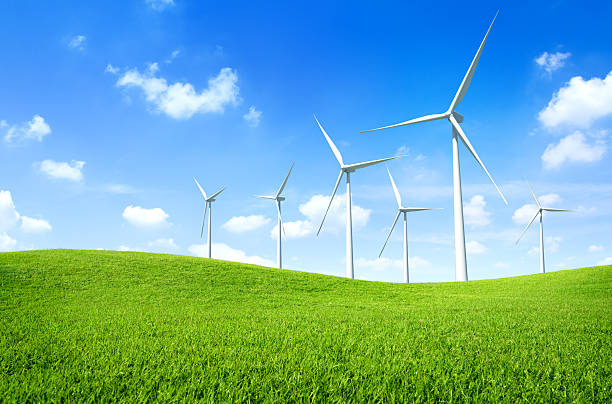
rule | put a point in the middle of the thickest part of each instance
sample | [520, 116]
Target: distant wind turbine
[401, 209]
[346, 169]
[278, 199]
[540, 213]
[455, 119]
[208, 206]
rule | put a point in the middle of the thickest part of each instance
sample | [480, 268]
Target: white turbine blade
[265, 196]
[470, 73]
[397, 194]
[217, 193]
[331, 144]
[529, 224]
[534, 195]
[201, 189]
[330, 201]
[556, 210]
[418, 209]
[425, 118]
[281, 220]
[284, 182]
[467, 144]
[369, 163]
[390, 231]
[204, 219]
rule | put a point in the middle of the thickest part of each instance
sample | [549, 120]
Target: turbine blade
[470, 73]
[265, 196]
[556, 210]
[330, 201]
[331, 144]
[204, 219]
[284, 182]
[467, 144]
[281, 219]
[418, 209]
[217, 193]
[369, 163]
[201, 189]
[398, 198]
[425, 118]
[534, 195]
[389, 235]
[529, 224]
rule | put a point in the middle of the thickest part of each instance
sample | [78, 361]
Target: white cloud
[403, 150]
[36, 129]
[8, 213]
[524, 214]
[142, 217]
[111, 69]
[173, 56]
[62, 170]
[572, 148]
[314, 210]
[123, 248]
[77, 42]
[293, 230]
[119, 189]
[164, 244]
[596, 248]
[383, 263]
[474, 212]
[36, 226]
[252, 117]
[242, 224]
[551, 244]
[552, 61]
[180, 100]
[160, 5]
[605, 261]
[579, 102]
[224, 252]
[501, 265]
[7, 243]
[474, 247]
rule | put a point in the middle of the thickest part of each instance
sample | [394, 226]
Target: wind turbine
[540, 213]
[278, 199]
[455, 119]
[401, 209]
[207, 205]
[346, 169]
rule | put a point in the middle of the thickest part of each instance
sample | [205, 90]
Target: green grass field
[106, 326]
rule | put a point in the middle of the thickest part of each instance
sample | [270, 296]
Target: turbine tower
[401, 209]
[208, 206]
[457, 133]
[346, 169]
[278, 199]
[540, 213]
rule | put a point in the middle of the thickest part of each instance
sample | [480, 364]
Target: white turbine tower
[401, 209]
[540, 213]
[278, 199]
[455, 119]
[346, 169]
[208, 206]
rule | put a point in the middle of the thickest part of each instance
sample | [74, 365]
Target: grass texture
[91, 326]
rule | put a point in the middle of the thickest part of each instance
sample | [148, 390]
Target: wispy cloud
[551, 62]
[35, 129]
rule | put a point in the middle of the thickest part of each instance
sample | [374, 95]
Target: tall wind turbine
[346, 169]
[208, 206]
[401, 209]
[455, 119]
[540, 213]
[278, 199]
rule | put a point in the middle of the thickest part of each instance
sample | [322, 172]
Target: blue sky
[108, 110]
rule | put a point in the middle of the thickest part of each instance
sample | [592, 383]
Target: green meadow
[90, 326]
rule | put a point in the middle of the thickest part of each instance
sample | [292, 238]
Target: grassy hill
[101, 326]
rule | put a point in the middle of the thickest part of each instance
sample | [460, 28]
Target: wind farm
[111, 112]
